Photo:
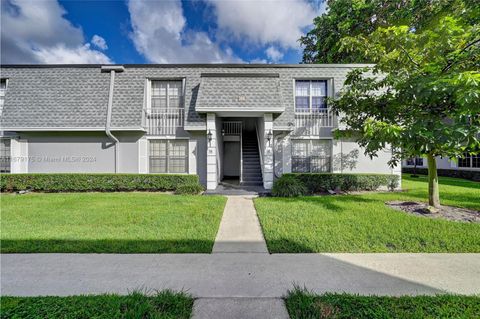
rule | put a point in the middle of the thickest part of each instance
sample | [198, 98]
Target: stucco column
[212, 180]
[268, 152]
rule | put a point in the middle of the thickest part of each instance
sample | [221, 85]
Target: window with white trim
[415, 161]
[168, 156]
[3, 90]
[166, 95]
[5, 159]
[314, 156]
[310, 96]
[469, 161]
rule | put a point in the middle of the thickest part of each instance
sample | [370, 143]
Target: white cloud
[66, 55]
[259, 61]
[99, 42]
[266, 22]
[273, 54]
[159, 34]
[37, 32]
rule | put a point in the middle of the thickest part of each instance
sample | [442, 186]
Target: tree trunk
[433, 193]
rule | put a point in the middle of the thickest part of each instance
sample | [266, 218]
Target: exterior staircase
[252, 172]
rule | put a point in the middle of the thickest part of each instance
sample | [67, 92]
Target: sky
[153, 31]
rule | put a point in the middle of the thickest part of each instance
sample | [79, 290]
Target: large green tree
[422, 95]
[361, 17]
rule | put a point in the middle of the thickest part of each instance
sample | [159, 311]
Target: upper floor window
[3, 90]
[310, 95]
[469, 161]
[5, 155]
[166, 95]
[311, 156]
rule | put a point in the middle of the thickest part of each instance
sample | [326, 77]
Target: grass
[304, 305]
[163, 305]
[363, 223]
[109, 223]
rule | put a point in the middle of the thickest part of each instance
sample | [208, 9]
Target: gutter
[112, 69]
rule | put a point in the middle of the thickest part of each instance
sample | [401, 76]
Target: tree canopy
[422, 95]
[361, 17]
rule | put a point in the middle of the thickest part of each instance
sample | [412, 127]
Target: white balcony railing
[310, 123]
[164, 121]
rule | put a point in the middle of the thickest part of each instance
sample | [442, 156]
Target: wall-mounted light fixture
[223, 132]
[209, 136]
[269, 136]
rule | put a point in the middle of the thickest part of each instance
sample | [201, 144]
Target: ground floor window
[415, 161]
[313, 156]
[469, 161]
[5, 155]
[168, 156]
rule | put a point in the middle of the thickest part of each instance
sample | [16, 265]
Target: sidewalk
[240, 274]
[240, 230]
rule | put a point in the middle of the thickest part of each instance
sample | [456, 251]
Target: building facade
[245, 124]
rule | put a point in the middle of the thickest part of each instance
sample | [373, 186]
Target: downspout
[112, 69]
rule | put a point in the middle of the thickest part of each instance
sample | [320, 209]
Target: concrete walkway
[240, 230]
[242, 275]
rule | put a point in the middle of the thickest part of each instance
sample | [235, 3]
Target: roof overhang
[71, 129]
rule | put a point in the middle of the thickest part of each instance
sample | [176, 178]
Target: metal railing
[232, 128]
[164, 121]
[310, 123]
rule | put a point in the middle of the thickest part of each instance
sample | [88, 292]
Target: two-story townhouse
[246, 122]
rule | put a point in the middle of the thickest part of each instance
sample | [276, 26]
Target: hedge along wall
[95, 182]
[458, 173]
[313, 183]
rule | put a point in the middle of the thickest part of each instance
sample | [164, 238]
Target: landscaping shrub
[95, 182]
[189, 189]
[288, 186]
[313, 183]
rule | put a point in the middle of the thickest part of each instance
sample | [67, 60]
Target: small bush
[53, 183]
[288, 186]
[189, 189]
[313, 183]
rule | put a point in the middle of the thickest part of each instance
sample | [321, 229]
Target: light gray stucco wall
[349, 157]
[80, 152]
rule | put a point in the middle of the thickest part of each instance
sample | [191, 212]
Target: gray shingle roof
[242, 92]
[76, 96]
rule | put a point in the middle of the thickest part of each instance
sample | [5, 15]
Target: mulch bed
[445, 212]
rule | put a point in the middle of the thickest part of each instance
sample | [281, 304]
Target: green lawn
[109, 223]
[163, 305]
[363, 223]
[304, 305]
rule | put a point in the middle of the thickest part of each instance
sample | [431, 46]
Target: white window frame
[168, 139]
[415, 159]
[148, 97]
[468, 157]
[328, 92]
[3, 94]
[309, 148]
[9, 154]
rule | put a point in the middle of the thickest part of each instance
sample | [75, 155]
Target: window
[4, 155]
[469, 161]
[310, 95]
[311, 156]
[168, 156]
[415, 161]
[3, 90]
[166, 95]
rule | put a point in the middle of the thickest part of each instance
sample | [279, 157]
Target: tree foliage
[422, 95]
[362, 17]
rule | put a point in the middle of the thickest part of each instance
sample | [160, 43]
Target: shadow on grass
[105, 246]
[333, 203]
